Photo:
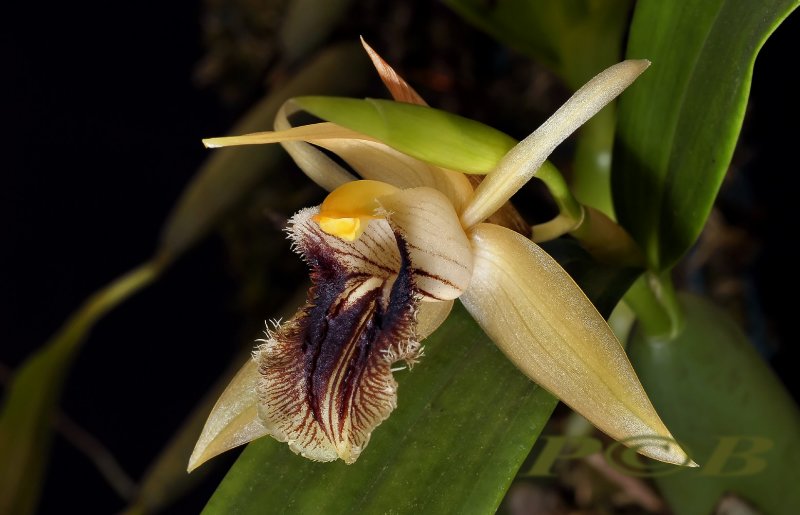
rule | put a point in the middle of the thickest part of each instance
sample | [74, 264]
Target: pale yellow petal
[430, 316]
[320, 168]
[376, 161]
[438, 248]
[234, 419]
[397, 86]
[547, 327]
[522, 162]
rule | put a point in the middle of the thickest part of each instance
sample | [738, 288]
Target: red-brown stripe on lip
[326, 379]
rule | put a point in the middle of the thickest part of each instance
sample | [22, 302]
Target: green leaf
[431, 135]
[713, 390]
[465, 421]
[26, 416]
[678, 125]
[574, 38]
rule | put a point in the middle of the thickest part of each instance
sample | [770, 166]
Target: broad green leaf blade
[723, 402]
[575, 39]
[29, 404]
[465, 421]
[678, 125]
[431, 135]
[431, 455]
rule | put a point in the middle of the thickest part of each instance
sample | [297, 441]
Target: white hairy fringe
[267, 343]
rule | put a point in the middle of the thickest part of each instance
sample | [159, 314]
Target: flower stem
[550, 230]
[599, 234]
[606, 240]
[568, 206]
[652, 297]
[30, 400]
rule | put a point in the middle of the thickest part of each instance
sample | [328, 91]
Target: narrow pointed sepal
[521, 162]
[234, 420]
[550, 330]
[314, 131]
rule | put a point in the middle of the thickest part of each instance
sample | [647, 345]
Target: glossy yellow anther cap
[346, 212]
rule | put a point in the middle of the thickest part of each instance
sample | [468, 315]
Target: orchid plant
[389, 253]
[423, 214]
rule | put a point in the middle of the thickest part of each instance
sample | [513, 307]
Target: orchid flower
[389, 253]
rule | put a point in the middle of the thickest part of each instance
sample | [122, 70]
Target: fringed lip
[326, 379]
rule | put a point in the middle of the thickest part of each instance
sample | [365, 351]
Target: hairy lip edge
[342, 335]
